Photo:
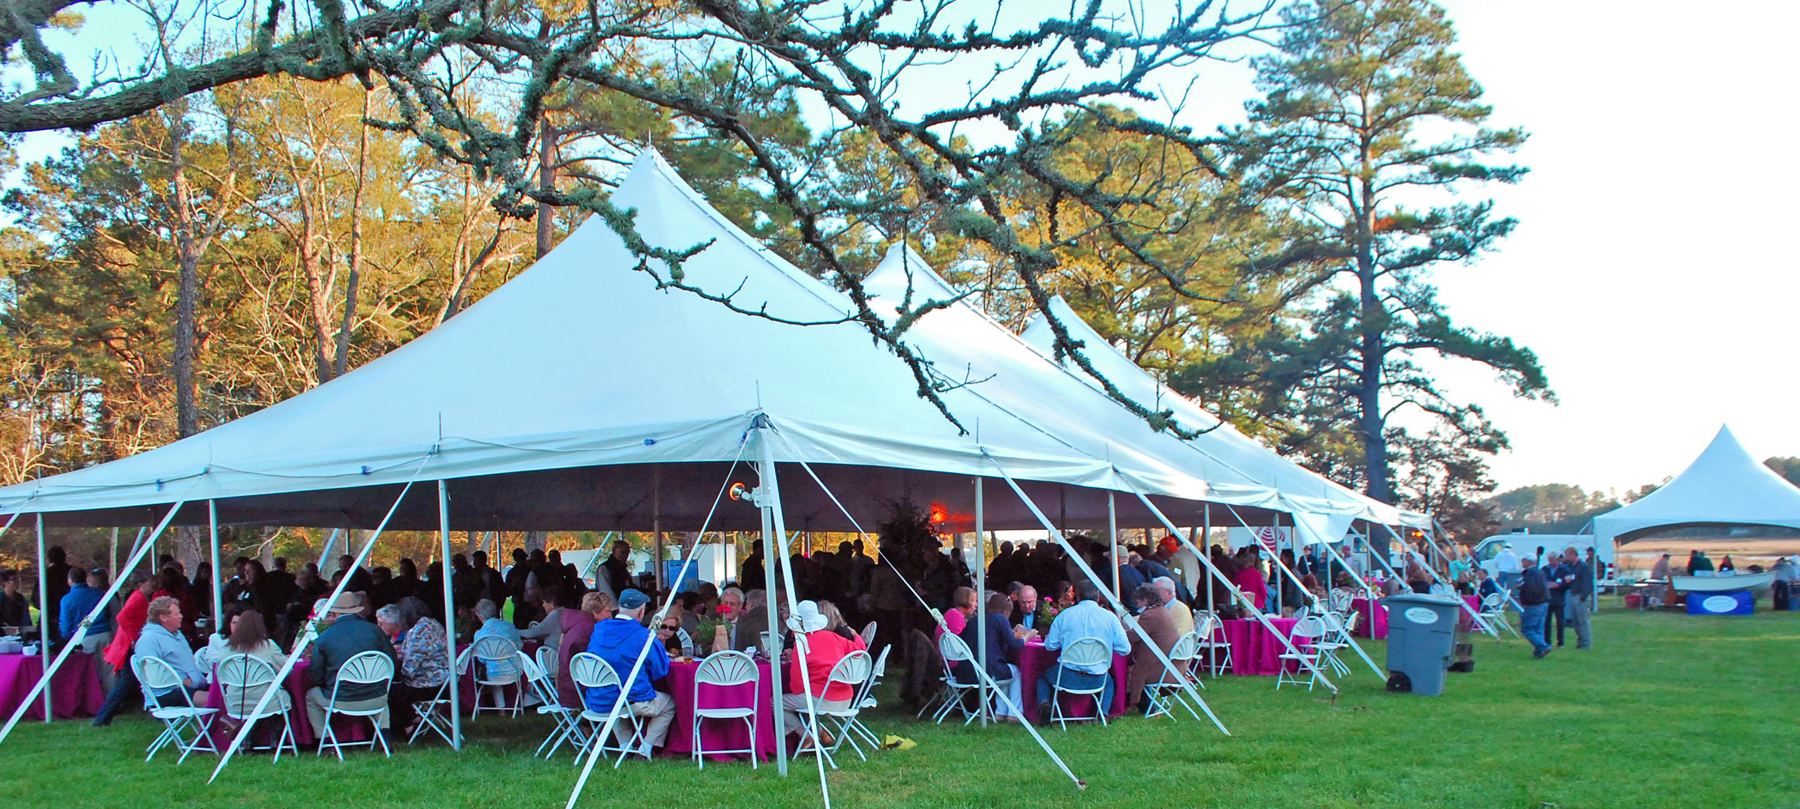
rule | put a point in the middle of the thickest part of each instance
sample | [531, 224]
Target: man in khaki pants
[347, 636]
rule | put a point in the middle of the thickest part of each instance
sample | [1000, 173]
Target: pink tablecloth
[303, 729]
[75, 690]
[719, 734]
[1373, 620]
[1036, 660]
[1254, 650]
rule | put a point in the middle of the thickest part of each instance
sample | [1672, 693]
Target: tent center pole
[981, 635]
[43, 616]
[218, 587]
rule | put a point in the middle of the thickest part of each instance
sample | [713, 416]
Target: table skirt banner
[1254, 649]
[1374, 618]
[1736, 602]
[720, 734]
[1036, 661]
[1464, 623]
[74, 691]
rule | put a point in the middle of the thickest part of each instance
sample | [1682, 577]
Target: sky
[1646, 271]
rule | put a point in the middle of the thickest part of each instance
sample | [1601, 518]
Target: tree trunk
[187, 416]
[546, 215]
[1372, 351]
[342, 361]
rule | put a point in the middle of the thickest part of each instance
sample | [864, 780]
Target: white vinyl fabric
[570, 394]
[1726, 485]
[1238, 469]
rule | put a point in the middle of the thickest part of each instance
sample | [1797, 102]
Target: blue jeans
[1075, 679]
[124, 685]
[1531, 625]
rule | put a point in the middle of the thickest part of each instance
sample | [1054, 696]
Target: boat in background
[1723, 584]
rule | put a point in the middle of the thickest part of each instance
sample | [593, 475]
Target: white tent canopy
[579, 396]
[1240, 470]
[1724, 486]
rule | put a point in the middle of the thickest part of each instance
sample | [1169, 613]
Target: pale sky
[1648, 271]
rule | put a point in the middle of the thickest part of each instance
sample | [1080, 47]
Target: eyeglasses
[667, 628]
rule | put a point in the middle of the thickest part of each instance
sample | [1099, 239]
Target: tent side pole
[449, 614]
[1112, 540]
[981, 640]
[773, 546]
[43, 615]
[218, 587]
[112, 565]
[656, 532]
[1206, 521]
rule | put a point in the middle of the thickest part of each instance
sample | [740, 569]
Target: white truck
[1525, 544]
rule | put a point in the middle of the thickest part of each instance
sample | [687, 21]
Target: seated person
[747, 631]
[1159, 623]
[1181, 613]
[548, 630]
[824, 649]
[1087, 619]
[347, 636]
[618, 641]
[493, 626]
[1003, 649]
[424, 661]
[962, 608]
[162, 639]
[1485, 585]
[1025, 608]
[250, 636]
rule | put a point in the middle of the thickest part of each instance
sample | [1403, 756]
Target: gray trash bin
[1421, 639]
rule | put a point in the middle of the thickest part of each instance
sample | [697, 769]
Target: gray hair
[755, 598]
[485, 609]
[732, 591]
[390, 613]
[1166, 585]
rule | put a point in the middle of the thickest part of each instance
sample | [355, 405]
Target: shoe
[1539, 654]
[1043, 713]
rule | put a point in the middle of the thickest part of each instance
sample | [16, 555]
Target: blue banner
[1736, 602]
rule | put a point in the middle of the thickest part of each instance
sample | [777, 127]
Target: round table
[720, 734]
[1254, 649]
[1035, 661]
[74, 691]
[1374, 618]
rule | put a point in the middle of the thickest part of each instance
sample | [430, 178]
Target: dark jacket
[1533, 589]
[1581, 579]
[618, 575]
[1558, 576]
[1003, 648]
[750, 626]
[347, 637]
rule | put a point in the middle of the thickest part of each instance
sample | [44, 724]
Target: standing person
[56, 585]
[1660, 570]
[1506, 567]
[1556, 578]
[128, 625]
[617, 568]
[1580, 598]
[14, 609]
[1534, 601]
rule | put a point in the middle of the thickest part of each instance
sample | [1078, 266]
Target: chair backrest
[547, 662]
[238, 673]
[367, 668]
[853, 670]
[1205, 623]
[158, 677]
[880, 670]
[1086, 652]
[1185, 648]
[1302, 614]
[1308, 628]
[952, 649]
[493, 650]
[542, 685]
[1333, 624]
[768, 642]
[589, 671]
[687, 641]
[868, 635]
[1350, 622]
[1493, 602]
[725, 668]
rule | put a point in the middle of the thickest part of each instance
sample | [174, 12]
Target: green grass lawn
[1668, 711]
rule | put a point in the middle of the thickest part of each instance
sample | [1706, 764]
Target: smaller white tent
[1724, 486]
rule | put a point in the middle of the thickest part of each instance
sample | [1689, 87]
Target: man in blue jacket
[618, 640]
[75, 606]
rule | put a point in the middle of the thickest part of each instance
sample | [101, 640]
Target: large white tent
[1726, 485]
[970, 341]
[578, 395]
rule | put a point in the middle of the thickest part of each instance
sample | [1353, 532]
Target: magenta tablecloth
[1373, 620]
[718, 734]
[75, 690]
[265, 735]
[1035, 660]
[1254, 650]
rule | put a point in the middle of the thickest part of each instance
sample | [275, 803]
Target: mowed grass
[1667, 711]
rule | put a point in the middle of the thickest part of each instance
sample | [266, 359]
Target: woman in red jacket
[126, 627]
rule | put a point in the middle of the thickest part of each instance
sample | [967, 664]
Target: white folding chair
[1332, 640]
[1165, 693]
[1082, 652]
[174, 708]
[568, 724]
[367, 668]
[952, 650]
[866, 700]
[491, 654]
[241, 675]
[686, 640]
[427, 710]
[1304, 637]
[853, 670]
[868, 635]
[590, 672]
[725, 670]
[1493, 610]
[1218, 652]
